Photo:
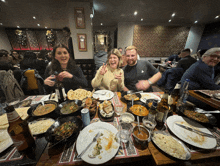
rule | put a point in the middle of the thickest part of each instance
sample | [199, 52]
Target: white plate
[146, 96]
[107, 96]
[87, 135]
[189, 136]
[5, 140]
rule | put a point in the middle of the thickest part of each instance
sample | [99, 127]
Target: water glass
[125, 130]
[119, 110]
[149, 122]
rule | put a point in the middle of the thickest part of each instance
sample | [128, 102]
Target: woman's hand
[64, 74]
[118, 77]
[50, 80]
[103, 70]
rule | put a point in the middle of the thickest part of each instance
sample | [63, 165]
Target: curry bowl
[70, 107]
[142, 137]
[138, 109]
[127, 96]
[49, 109]
[63, 129]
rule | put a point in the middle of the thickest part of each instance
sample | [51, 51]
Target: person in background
[101, 56]
[186, 60]
[124, 61]
[199, 54]
[139, 74]
[70, 74]
[49, 56]
[67, 33]
[16, 58]
[120, 49]
[201, 75]
[110, 76]
[28, 60]
[174, 57]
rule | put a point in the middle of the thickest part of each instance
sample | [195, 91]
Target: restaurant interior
[158, 29]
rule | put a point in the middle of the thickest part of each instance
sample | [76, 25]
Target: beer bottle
[153, 111]
[59, 89]
[20, 133]
[173, 97]
[162, 109]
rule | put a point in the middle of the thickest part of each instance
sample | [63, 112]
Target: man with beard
[201, 75]
[139, 75]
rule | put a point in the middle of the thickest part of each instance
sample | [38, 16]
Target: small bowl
[127, 117]
[142, 140]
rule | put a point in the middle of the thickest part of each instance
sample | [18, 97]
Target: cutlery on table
[207, 112]
[196, 131]
[94, 140]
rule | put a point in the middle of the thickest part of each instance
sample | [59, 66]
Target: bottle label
[64, 93]
[159, 116]
[13, 116]
[170, 100]
[178, 86]
[57, 93]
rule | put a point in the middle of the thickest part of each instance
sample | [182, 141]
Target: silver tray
[188, 154]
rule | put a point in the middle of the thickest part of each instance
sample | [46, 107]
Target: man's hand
[143, 85]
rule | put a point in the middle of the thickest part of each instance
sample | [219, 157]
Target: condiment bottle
[173, 97]
[20, 133]
[162, 109]
[59, 89]
[153, 111]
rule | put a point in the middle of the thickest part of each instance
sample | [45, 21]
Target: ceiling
[53, 13]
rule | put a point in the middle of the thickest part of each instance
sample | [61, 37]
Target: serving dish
[165, 142]
[103, 94]
[138, 108]
[108, 142]
[54, 138]
[128, 96]
[92, 104]
[103, 115]
[127, 117]
[40, 126]
[54, 110]
[190, 137]
[70, 107]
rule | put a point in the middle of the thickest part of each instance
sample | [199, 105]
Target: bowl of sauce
[141, 137]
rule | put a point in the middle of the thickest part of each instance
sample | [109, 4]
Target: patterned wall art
[159, 41]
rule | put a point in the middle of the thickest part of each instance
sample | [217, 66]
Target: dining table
[65, 154]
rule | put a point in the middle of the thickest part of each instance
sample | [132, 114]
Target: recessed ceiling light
[173, 14]
[3, 0]
[18, 26]
[170, 20]
[38, 24]
[34, 17]
[195, 22]
[101, 24]
[142, 19]
[135, 13]
[45, 27]
[1, 24]
[217, 17]
[91, 15]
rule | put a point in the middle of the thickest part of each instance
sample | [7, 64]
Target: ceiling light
[45, 27]
[3, 0]
[38, 24]
[1, 24]
[101, 23]
[195, 22]
[173, 14]
[91, 23]
[142, 19]
[217, 17]
[91, 15]
[34, 17]
[135, 13]
[18, 26]
[170, 20]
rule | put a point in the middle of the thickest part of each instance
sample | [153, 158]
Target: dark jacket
[100, 58]
[186, 62]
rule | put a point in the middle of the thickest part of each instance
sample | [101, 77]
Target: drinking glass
[149, 122]
[119, 110]
[125, 130]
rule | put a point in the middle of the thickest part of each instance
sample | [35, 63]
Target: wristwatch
[150, 82]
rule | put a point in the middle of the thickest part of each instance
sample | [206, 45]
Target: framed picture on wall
[82, 42]
[80, 18]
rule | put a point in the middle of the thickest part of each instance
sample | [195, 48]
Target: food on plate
[97, 149]
[26, 103]
[40, 126]
[44, 109]
[69, 108]
[91, 104]
[196, 116]
[169, 145]
[65, 130]
[139, 110]
[106, 109]
[131, 96]
[78, 94]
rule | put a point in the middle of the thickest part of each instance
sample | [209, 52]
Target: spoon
[139, 131]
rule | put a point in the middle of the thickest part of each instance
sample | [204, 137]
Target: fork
[94, 140]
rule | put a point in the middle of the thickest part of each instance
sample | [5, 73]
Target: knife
[195, 131]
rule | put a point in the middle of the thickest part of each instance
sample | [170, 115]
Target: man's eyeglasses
[215, 56]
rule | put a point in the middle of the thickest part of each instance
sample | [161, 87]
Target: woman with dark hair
[70, 74]
[110, 76]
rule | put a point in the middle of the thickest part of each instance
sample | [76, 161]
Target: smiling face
[131, 57]
[62, 55]
[113, 61]
[212, 60]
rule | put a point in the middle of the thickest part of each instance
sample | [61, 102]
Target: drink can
[85, 116]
